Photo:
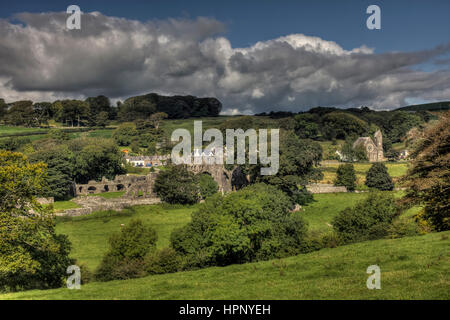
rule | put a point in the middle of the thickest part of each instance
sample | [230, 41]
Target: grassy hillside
[434, 106]
[89, 234]
[411, 268]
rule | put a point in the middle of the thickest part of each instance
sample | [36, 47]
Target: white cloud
[117, 57]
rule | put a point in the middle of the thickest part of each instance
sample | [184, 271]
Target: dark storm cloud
[42, 60]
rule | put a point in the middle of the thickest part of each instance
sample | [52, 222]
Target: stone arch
[92, 189]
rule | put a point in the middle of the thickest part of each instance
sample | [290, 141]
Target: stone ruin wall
[133, 185]
[325, 188]
[142, 186]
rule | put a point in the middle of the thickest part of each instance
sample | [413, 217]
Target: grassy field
[320, 213]
[411, 268]
[9, 130]
[108, 195]
[395, 170]
[89, 234]
[64, 205]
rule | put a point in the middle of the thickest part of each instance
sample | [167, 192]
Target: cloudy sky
[254, 56]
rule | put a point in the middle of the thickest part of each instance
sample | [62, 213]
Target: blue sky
[407, 25]
[309, 53]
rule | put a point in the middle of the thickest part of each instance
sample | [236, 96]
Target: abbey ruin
[374, 149]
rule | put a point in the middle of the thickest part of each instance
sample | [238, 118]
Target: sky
[253, 55]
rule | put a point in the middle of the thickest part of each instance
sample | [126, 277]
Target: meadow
[329, 168]
[89, 234]
[411, 268]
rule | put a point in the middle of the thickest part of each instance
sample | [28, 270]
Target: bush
[369, 219]
[208, 186]
[162, 261]
[403, 227]
[346, 176]
[177, 185]
[378, 177]
[125, 258]
[251, 224]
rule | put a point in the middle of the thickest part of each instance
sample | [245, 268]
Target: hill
[411, 268]
[434, 106]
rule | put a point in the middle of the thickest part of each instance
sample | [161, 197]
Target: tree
[208, 186]
[101, 119]
[296, 167]
[71, 111]
[136, 108]
[251, 224]
[42, 112]
[128, 249]
[96, 158]
[341, 125]
[370, 219]
[98, 105]
[306, 126]
[378, 177]
[32, 255]
[59, 160]
[21, 114]
[346, 176]
[3, 109]
[125, 134]
[177, 185]
[156, 118]
[428, 179]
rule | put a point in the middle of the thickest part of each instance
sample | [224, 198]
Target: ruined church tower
[379, 143]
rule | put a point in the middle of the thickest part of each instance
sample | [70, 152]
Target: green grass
[109, 195]
[395, 170]
[411, 268]
[64, 205]
[320, 213]
[10, 130]
[89, 234]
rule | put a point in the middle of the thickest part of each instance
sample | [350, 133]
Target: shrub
[346, 176]
[378, 177]
[251, 224]
[177, 185]
[369, 219]
[403, 227]
[125, 258]
[207, 185]
[162, 261]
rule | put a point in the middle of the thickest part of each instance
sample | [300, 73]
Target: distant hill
[434, 106]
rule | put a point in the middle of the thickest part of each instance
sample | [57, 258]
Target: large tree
[32, 255]
[96, 158]
[59, 160]
[251, 224]
[428, 179]
[297, 166]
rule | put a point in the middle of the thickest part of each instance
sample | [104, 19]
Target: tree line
[98, 111]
